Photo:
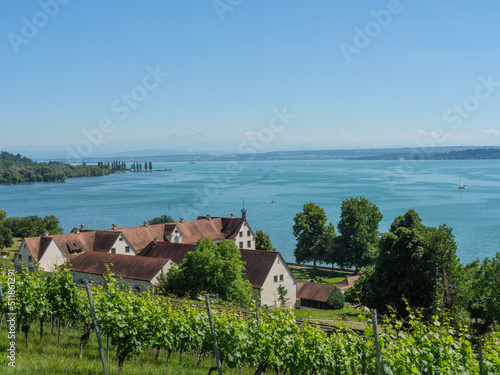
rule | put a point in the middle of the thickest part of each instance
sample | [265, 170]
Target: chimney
[209, 217]
[156, 240]
[46, 234]
[232, 216]
[113, 226]
[181, 220]
[82, 227]
[145, 223]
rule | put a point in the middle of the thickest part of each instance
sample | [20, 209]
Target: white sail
[460, 184]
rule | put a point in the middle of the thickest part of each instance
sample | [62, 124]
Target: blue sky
[215, 75]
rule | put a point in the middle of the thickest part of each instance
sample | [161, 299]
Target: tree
[3, 216]
[6, 239]
[358, 232]
[483, 284]
[213, 269]
[163, 219]
[263, 242]
[308, 228]
[326, 247]
[415, 263]
[336, 299]
[33, 226]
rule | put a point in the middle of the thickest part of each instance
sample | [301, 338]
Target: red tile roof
[348, 282]
[167, 250]
[315, 292]
[125, 266]
[194, 230]
[258, 264]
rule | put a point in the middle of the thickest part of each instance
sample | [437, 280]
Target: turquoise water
[217, 188]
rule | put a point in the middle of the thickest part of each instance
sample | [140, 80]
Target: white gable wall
[121, 245]
[53, 256]
[279, 274]
[245, 239]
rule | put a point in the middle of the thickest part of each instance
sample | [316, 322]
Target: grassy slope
[320, 275]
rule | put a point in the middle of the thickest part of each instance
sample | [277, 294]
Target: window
[113, 251]
[120, 238]
[127, 249]
[281, 277]
[20, 257]
[276, 278]
[241, 245]
[248, 233]
[241, 234]
[30, 259]
[249, 244]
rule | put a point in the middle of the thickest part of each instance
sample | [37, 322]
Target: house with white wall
[139, 274]
[265, 270]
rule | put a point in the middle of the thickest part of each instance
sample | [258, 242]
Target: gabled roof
[140, 236]
[230, 226]
[258, 264]
[315, 292]
[167, 250]
[348, 282]
[194, 230]
[104, 240]
[125, 266]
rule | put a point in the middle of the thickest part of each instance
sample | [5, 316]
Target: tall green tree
[211, 268]
[326, 248]
[358, 232]
[416, 263]
[263, 242]
[308, 228]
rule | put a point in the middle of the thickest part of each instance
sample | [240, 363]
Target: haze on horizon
[220, 74]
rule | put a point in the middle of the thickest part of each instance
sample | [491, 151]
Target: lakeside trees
[358, 232]
[163, 219]
[16, 168]
[308, 229]
[411, 265]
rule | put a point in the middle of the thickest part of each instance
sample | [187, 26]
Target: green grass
[327, 316]
[319, 275]
[46, 358]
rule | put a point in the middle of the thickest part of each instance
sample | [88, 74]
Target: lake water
[217, 188]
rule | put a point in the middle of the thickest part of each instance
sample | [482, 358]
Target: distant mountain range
[183, 155]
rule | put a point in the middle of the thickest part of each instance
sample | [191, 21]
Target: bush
[336, 299]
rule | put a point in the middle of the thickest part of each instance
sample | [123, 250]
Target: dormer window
[113, 251]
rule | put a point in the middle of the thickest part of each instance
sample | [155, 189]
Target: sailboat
[460, 184]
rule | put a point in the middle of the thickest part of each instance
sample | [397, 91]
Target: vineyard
[257, 341]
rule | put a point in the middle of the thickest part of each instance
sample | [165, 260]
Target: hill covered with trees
[16, 168]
